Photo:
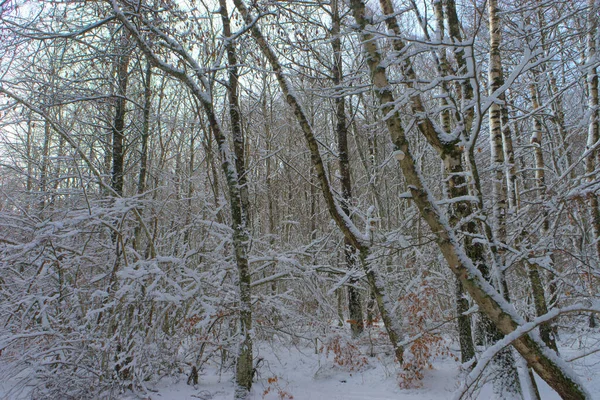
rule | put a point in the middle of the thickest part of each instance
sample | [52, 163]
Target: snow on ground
[8, 387]
[301, 373]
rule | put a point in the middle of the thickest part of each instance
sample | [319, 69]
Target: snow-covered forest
[244, 198]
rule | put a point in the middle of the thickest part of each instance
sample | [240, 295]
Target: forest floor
[300, 373]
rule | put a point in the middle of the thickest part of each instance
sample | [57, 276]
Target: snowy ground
[303, 375]
[306, 376]
[298, 373]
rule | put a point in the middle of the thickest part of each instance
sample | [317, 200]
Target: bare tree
[351, 233]
[458, 258]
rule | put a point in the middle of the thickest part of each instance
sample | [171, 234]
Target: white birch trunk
[489, 301]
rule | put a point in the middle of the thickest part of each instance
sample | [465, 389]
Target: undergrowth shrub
[275, 387]
[427, 344]
[346, 354]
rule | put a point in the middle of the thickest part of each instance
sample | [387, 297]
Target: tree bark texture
[244, 364]
[489, 300]
[341, 219]
[118, 128]
[341, 128]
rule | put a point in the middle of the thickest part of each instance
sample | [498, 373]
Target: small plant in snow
[345, 353]
[274, 386]
[427, 345]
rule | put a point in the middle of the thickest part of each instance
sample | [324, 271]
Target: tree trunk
[45, 165]
[465, 334]
[29, 153]
[593, 134]
[466, 89]
[118, 128]
[244, 365]
[348, 229]
[540, 184]
[141, 185]
[341, 128]
[122, 59]
[509, 159]
[445, 115]
[489, 301]
[508, 384]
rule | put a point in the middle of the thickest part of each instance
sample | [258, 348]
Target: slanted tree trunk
[348, 229]
[489, 300]
[452, 156]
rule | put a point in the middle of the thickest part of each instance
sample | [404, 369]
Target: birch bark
[489, 301]
[244, 366]
[593, 129]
